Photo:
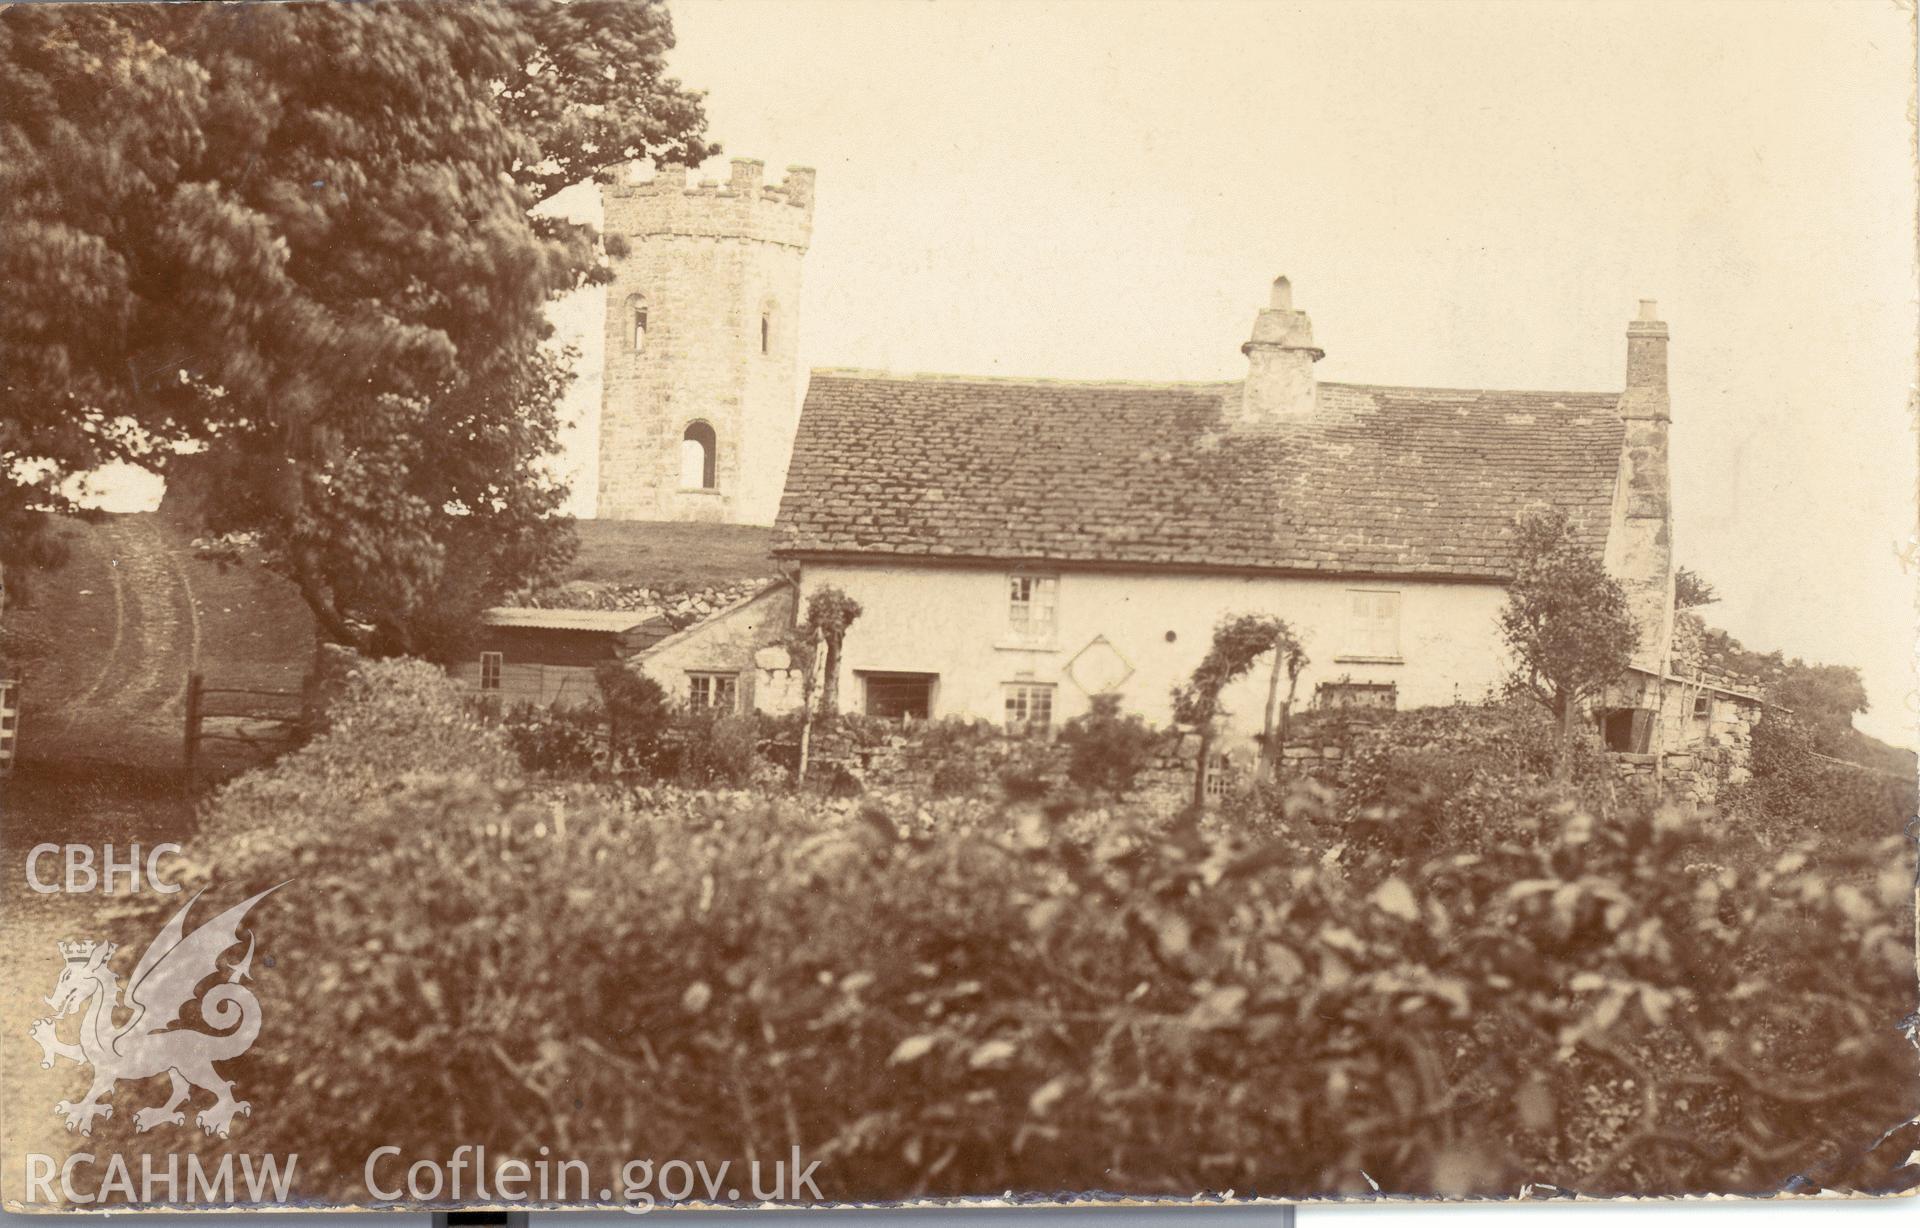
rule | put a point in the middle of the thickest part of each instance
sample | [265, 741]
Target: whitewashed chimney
[1280, 358]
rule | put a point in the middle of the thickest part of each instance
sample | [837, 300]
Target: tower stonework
[699, 397]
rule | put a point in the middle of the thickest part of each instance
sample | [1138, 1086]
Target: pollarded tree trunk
[830, 681]
[1200, 763]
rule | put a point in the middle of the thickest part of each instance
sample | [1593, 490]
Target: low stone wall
[1696, 775]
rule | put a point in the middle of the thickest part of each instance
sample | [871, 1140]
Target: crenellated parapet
[743, 207]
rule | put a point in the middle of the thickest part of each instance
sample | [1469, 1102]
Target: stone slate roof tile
[1379, 480]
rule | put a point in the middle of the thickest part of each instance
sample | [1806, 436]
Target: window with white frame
[1032, 602]
[1373, 624]
[714, 690]
[1029, 707]
[490, 671]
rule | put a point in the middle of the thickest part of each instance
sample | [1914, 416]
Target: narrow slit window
[637, 323]
[766, 332]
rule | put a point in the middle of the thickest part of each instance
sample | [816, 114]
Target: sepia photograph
[653, 605]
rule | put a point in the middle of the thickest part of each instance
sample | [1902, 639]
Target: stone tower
[698, 404]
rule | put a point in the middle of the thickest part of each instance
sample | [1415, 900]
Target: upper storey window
[1373, 625]
[1032, 601]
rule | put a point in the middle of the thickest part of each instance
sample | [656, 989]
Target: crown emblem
[81, 952]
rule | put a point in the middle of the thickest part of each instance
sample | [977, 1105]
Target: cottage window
[1703, 706]
[636, 322]
[1032, 603]
[1373, 624]
[898, 697]
[714, 690]
[1029, 707]
[697, 446]
[490, 671]
[1219, 776]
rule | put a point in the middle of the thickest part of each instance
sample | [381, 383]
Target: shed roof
[1379, 480]
[611, 622]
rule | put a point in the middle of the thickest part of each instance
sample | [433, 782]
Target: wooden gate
[269, 721]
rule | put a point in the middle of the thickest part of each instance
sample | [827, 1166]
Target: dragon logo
[163, 982]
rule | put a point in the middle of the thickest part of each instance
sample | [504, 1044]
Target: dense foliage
[1300, 997]
[301, 241]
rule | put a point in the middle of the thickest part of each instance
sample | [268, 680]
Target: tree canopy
[1565, 620]
[299, 240]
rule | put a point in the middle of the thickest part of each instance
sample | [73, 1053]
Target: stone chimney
[1643, 561]
[1280, 358]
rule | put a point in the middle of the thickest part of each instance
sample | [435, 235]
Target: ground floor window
[1029, 707]
[898, 697]
[490, 671]
[714, 690]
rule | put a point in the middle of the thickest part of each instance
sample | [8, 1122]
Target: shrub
[394, 722]
[1795, 795]
[954, 756]
[556, 740]
[638, 714]
[1106, 751]
[718, 749]
[941, 1007]
[1029, 770]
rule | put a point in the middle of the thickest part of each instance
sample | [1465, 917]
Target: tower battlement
[742, 207]
[699, 394]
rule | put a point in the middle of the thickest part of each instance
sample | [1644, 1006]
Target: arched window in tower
[766, 329]
[697, 448]
[637, 322]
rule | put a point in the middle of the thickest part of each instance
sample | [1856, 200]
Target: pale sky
[1465, 194]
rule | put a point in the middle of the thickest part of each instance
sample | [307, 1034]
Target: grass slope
[671, 556]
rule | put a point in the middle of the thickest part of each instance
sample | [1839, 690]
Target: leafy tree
[300, 240]
[1238, 643]
[1566, 621]
[1690, 589]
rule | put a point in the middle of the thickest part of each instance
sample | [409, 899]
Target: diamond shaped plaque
[1099, 667]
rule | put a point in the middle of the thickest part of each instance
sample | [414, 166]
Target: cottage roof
[1377, 480]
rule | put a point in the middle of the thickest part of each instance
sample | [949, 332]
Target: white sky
[1464, 194]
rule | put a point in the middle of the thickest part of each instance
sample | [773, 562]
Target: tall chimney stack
[1645, 564]
[1280, 358]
